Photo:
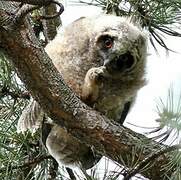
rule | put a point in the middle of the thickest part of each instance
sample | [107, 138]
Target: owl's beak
[108, 65]
[106, 62]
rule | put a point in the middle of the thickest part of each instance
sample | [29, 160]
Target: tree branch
[36, 70]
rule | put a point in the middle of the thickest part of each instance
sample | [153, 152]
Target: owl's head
[120, 44]
[104, 40]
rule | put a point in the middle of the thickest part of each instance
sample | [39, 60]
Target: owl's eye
[108, 43]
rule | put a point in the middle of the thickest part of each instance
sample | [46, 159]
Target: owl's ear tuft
[141, 40]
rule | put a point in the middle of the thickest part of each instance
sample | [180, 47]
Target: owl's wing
[31, 117]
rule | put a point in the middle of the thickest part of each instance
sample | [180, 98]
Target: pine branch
[169, 112]
[150, 159]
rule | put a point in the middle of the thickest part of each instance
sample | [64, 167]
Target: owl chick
[102, 58]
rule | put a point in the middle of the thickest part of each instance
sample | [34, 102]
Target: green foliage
[20, 154]
[169, 129]
[175, 161]
[169, 112]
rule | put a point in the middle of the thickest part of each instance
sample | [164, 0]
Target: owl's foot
[92, 82]
[96, 75]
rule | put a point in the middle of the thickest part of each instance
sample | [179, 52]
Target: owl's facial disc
[121, 63]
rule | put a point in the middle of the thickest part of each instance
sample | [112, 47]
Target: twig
[28, 164]
[71, 173]
[149, 159]
[6, 92]
[55, 15]
[53, 170]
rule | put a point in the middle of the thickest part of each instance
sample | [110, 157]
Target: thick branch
[48, 88]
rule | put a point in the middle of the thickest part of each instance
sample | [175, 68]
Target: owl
[102, 59]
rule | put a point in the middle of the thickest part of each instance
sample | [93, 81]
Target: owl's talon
[92, 82]
[96, 74]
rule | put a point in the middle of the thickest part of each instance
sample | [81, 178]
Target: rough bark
[36, 70]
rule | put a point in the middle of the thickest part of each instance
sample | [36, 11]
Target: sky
[163, 71]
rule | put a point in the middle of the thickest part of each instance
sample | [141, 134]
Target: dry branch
[63, 106]
[28, 164]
